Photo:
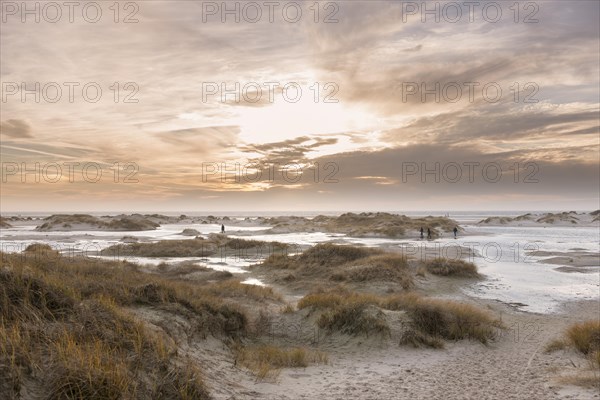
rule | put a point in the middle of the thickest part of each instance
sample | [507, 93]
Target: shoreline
[512, 365]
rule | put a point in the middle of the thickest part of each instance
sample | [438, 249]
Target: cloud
[15, 128]
[369, 53]
[208, 140]
[290, 151]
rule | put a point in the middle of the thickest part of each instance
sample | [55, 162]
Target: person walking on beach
[455, 230]
[222, 228]
[421, 232]
[428, 233]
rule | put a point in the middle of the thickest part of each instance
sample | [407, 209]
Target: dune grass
[382, 267]
[432, 320]
[451, 320]
[327, 254]
[215, 245]
[266, 361]
[234, 289]
[197, 247]
[583, 337]
[66, 328]
[343, 264]
[354, 319]
[280, 261]
[449, 267]
[134, 222]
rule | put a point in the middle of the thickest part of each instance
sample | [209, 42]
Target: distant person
[222, 228]
[455, 230]
[421, 232]
[428, 233]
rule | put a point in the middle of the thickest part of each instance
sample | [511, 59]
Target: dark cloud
[289, 151]
[544, 170]
[498, 125]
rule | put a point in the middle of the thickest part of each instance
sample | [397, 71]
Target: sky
[299, 106]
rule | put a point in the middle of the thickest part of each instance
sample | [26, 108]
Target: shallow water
[512, 275]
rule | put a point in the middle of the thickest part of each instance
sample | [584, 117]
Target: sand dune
[555, 219]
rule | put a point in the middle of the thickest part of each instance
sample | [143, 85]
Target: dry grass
[4, 223]
[321, 255]
[236, 289]
[366, 224]
[266, 361]
[335, 298]
[452, 320]
[280, 261]
[384, 267]
[134, 222]
[66, 329]
[330, 255]
[354, 319]
[589, 379]
[288, 309]
[197, 247]
[339, 263]
[584, 337]
[346, 312]
[431, 319]
[448, 267]
[417, 338]
[555, 345]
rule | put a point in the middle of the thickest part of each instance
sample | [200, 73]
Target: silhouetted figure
[428, 233]
[421, 232]
[222, 228]
[455, 230]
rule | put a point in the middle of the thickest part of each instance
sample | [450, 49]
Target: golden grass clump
[335, 298]
[452, 320]
[431, 319]
[280, 261]
[585, 337]
[354, 319]
[328, 254]
[449, 267]
[384, 267]
[266, 361]
[346, 312]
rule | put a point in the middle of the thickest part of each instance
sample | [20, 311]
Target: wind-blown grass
[449, 267]
[65, 327]
[431, 319]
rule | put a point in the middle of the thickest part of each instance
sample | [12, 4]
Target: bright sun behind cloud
[284, 120]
